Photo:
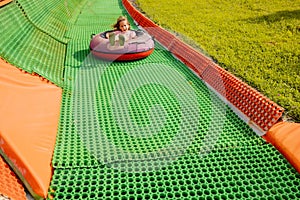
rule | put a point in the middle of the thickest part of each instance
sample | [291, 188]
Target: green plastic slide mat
[29, 48]
[151, 129]
[257, 172]
[145, 129]
[53, 17]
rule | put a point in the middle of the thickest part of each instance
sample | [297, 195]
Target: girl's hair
[116, 26]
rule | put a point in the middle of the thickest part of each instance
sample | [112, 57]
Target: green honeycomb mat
[89, 114]
[29, 48]
[148, 129]
[257, 172]
[151, 129]
[52, 16]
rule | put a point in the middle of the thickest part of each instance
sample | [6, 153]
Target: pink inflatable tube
[136, 48]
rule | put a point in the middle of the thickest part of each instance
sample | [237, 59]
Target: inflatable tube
[136, 48]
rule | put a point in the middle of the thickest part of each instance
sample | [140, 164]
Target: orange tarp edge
[4, 2]
[29, 115]
[285, 136]
[9, 184]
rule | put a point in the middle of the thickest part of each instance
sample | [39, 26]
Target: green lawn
[256, 40]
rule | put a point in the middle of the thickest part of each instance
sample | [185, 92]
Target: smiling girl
[121, 32]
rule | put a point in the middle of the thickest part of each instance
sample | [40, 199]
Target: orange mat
[9, 184]
[285, 137]
[29, 114]
[4, 2]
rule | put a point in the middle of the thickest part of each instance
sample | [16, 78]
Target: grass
[256, 40]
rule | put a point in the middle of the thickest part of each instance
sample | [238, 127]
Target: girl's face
[124, 26]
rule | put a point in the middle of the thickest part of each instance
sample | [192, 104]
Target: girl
[121, 32]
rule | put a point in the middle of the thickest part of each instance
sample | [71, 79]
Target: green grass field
[256, 40]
